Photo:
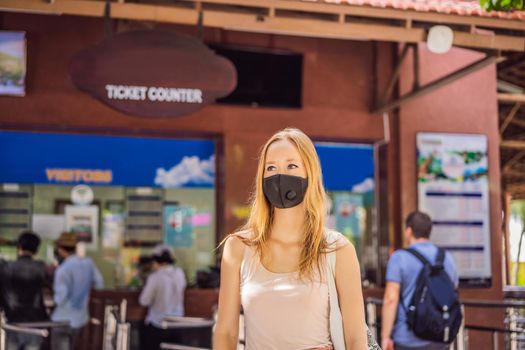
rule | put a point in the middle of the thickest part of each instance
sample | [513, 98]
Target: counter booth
[121, 196]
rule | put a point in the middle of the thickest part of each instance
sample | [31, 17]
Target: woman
[275, 266]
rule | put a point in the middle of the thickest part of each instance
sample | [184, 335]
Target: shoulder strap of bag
[336, 319]
[440, 257]
[419, 256]
[424, 261]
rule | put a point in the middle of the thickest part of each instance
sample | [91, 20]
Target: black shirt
[21, 290]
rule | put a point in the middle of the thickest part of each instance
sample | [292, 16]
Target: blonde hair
[261, 215]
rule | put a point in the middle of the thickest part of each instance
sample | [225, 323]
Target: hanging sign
[153, 73]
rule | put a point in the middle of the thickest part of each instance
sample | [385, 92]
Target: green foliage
[501, 5]
[517, 208]
[11, 68]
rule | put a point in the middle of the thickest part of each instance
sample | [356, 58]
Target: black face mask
[284, 191]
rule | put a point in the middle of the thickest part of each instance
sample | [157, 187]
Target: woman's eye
[292, 166]
[270, 168]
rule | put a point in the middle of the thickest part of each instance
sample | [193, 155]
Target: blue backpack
[434, 313]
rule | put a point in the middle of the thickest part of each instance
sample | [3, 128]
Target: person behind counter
[74, 278]
[144, 269]
[21, 293]
[163, 294]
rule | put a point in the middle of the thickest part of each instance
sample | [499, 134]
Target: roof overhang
[299, 18]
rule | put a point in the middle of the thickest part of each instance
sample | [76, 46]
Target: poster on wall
[12, 63]
[83, 222]
[453, 188]
[178, 226]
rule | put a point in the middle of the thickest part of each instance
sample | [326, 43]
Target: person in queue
[144, 269]
[21, 291]
[274, 267]
[74, 278]
[163, 295]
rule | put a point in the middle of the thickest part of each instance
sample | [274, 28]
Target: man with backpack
[421, 308]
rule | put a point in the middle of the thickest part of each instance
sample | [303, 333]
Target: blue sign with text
[46, 158]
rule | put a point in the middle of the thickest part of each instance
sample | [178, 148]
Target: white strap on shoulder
[336, 319]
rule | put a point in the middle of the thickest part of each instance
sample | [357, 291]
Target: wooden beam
[511, 98]
[509, 118]
[395, 74]
[518, 144]
[507, 167]
[517, 122]
[487, 41]
[514, 173]
[519, 187]
[312, 28]
[384, 13]
[482, 63]
[520, 168]
[510, 88]
[281, 24]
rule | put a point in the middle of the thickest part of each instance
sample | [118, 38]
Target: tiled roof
[456, 7]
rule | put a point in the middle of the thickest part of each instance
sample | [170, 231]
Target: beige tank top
[281, 311]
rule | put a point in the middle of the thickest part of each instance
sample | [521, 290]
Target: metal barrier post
[123, 328]
[371, 315]
[109, 330]
[116, 332]
[2, 332]
[495, 340]
[512, 315]
[123, 336]
[460, 339]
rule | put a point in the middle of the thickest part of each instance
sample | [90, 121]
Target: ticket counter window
[161, 191]
[349, 179]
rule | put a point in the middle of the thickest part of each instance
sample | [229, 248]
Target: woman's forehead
[282, 149]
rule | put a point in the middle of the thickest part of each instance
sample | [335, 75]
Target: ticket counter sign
[153, 73]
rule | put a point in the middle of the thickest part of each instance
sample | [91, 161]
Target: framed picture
[12, 63]
[83, 221]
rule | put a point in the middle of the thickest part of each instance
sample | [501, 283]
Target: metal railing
[513, 325]
[173, 322]
[40, 329]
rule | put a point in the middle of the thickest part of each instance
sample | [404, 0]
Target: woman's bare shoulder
[243, 235]
[235, 244]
